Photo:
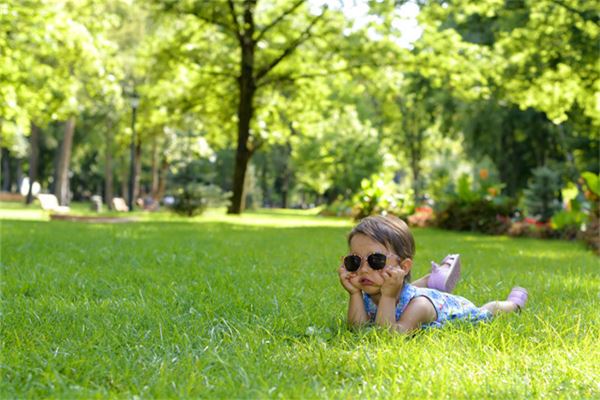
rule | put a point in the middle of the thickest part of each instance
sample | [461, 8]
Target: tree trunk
[162, 179]
[247, 86]
[108, 168]
[285, 186]
[264, 183]
[34, 155]
[61, 189]
[138, 169]
[124, 181]
[5, 170]
[19, 174]
[285, 177]
[154, 189]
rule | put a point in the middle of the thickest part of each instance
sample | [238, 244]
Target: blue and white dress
[448, 307]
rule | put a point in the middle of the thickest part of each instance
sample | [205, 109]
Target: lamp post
[135, 102]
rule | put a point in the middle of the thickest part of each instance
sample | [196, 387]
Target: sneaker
[518, 295]
[444, 277]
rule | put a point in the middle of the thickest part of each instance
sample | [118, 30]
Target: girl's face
[366, 278]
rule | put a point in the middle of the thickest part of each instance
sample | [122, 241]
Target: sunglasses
[376, 261]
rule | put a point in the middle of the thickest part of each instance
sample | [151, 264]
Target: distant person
[376, 275]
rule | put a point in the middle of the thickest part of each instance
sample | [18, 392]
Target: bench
[118, 204]
[49, 202]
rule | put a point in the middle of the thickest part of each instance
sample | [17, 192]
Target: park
[179, 180]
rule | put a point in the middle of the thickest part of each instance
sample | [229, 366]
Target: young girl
[376, 274]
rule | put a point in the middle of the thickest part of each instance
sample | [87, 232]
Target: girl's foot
[518, 295]
[444, 276]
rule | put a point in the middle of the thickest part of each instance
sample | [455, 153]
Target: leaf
[592, 182]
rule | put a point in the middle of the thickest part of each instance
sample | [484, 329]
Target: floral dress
[447, 306]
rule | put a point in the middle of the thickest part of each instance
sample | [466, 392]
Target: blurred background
[468, 114]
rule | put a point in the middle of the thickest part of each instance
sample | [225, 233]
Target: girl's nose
[364, 268]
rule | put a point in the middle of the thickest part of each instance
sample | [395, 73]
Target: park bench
[118, 204]
[49, 202]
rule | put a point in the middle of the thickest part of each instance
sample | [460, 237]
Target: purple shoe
[444, 277]
[518, 295]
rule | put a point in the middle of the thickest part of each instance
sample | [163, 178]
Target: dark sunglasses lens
[352, 263]
[377, 260]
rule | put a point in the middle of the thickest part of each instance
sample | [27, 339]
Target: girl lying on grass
[376, 274]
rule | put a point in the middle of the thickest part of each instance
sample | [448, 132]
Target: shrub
[530, 227]
[376, 197]
[591, 234]
[339, 208]
[422, 217]
[193, 199]
[567, 223]
[479, 216]
[541, 196]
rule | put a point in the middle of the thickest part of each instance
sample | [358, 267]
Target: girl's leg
[497, 307]
[421, 282]
[443, 277]
[516, 301]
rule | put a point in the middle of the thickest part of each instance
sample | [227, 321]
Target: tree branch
[278, 19]
[216, 22]
[305, 35]
[238, 31]
[582, 14]
[293, 78]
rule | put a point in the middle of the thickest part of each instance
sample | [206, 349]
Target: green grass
[251, 307]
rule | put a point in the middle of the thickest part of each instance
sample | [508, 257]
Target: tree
[55, 51]
[266, 37]
[521, 77]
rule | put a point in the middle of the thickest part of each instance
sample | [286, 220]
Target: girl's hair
[391, 232]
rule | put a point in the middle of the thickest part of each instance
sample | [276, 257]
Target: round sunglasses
[376, 261]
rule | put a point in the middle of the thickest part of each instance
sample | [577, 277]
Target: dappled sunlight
[265, 217]
[24, 214]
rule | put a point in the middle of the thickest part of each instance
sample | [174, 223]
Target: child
[376, 275]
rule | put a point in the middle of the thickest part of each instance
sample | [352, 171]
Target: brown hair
[391, 232]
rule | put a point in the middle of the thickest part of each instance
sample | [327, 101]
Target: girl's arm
[357, 315]
[418, 312]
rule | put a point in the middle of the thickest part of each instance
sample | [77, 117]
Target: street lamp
[135, 102]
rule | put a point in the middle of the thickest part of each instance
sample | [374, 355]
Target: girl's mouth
[366, 282]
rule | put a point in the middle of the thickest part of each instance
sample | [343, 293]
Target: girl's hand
[345, 280]
[393, 278]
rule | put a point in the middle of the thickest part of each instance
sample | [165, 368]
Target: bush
[591, 234]
[478, 216]
[423, 217]
[339, 208]
[567, 223]
[193, 199]
[377, 197]
[530, 227]
[541, 196]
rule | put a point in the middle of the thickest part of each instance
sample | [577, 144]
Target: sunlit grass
[272, 217]
[250, 307]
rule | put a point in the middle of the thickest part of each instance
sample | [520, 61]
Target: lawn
[251, 307]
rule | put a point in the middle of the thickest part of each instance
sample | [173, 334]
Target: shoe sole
[453, 274]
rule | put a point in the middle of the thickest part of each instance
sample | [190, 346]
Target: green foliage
[193, 199]
[464, 192]
[334, 155]
[477, 204]
[377, 197]
[478, 215]
[568, 221]
[541, 196]
[592, 181]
